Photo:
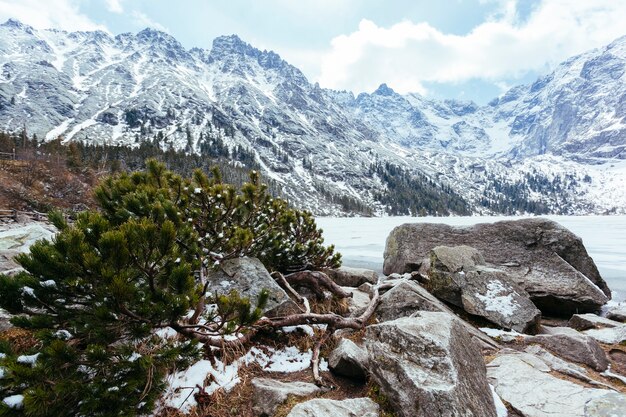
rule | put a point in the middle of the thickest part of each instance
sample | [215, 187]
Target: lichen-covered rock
[544, 258]
[249, 277]
[353, 407]
[269, 394]
[348, 360]
[428, 365]
[352, 277]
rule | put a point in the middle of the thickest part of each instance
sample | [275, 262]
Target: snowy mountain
[556, 145]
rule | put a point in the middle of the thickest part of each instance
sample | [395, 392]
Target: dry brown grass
[20, 340]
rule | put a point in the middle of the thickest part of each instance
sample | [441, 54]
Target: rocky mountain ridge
[555, 146]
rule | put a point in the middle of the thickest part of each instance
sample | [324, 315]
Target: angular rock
[408, 297]
[457, 275]
[544, 258]
[428, 365]
[366, 287]
[566, 368]
[591, 321]
[358, 302]
[352, 277]
[354, 407]
[524, 381]
[572, 345]
[609, 405]
[348, 360]
[455, 258]
[608, 335]
[249, 277]
[269, 394]
[617, 313]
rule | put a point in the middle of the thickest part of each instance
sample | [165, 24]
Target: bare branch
[317, 281]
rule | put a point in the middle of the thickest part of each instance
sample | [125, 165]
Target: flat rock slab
[352, 277]
[609, 405]
[249, 277]
[608, 335]
[427, 365]
[524, 381]
[354, 407]
[269, 394]
[544, 258]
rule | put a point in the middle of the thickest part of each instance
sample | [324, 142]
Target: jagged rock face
[316, 142]
[544, 258]
[428, 365]
[459, 276]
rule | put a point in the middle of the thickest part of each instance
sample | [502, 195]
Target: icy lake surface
[361, 241]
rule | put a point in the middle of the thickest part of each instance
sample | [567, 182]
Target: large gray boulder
[269, 394]
[352, 277]
[428, 365]
[348, 360]
[526, 383]
[572, 345]
[407, 298]
[544, 258]
[458, 275]
[17, 238]
[249, 277]
[353, 407]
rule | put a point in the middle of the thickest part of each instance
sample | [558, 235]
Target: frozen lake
[361, 240]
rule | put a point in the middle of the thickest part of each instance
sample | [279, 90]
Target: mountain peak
[152, 35]
[14, 23]
[384, 90]
[232, 44]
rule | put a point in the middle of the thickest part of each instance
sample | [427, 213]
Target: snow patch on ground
[183, 385]
[14, 401]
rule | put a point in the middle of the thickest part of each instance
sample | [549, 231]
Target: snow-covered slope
[552, 144]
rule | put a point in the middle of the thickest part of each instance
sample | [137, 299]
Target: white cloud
[407, 54]
[45, 14]
[142, 20]
[115, 6]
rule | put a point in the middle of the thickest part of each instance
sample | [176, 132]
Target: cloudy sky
[467, 49]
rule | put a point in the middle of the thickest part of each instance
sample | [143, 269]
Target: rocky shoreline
[490, 320]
